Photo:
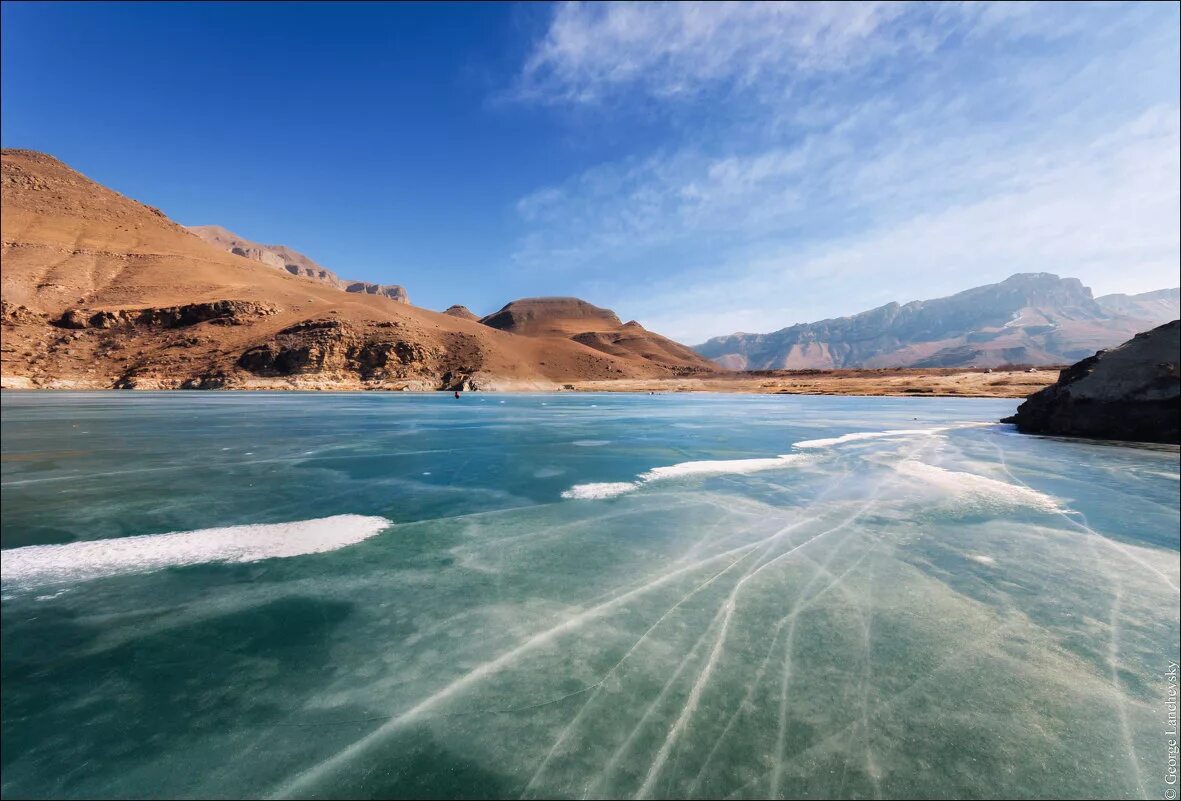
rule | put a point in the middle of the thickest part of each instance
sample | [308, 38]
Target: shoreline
[888, 382]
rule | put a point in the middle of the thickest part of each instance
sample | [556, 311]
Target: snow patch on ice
[80, 561]
[972, 491]
[607, 489]
[682, 470]
[897, 432]
[718, 467]
[860, 435]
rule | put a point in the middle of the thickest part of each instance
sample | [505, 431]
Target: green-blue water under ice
[579, 596]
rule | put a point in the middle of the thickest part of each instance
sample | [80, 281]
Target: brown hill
[101, 291]
[462, 312]
[595, 327]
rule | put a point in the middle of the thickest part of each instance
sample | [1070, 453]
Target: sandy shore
[901, 382]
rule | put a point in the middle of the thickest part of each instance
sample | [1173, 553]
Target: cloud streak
[675, 49]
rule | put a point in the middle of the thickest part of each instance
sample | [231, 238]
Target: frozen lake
[377, 595]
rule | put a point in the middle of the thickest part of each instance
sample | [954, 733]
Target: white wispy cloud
[852, 155]
[1106, 213]
[675, 48]
[671, 49]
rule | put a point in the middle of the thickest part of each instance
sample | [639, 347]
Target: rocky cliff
[1131, 392]
[1034, 318]
[284, 258]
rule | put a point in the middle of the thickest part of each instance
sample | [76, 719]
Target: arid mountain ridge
[1032, 318]
[282, 257]
[101, 291]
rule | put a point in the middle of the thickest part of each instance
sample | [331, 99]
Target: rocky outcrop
[1132, 392]
[1032, 318]
[18, 314]
[391, 291]
[296, 263]
[293, 262]
[462, 312]
[276, 256]
[220, 312]
[259, 254]
[335, 347]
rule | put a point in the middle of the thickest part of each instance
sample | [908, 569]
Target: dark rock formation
[333, 346]
[391, 291]
[1132, 392]
[222, 312]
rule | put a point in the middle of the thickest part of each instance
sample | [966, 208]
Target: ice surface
[895, 608]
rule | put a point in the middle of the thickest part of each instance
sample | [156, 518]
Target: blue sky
[703, 169]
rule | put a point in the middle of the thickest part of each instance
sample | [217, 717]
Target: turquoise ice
[377, 595]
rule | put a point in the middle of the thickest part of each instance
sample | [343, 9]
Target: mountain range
[1029, 318]
[101, 291]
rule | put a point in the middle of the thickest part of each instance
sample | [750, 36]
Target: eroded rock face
[292, 262]
[333, 346]
[1132, 392]
[221, 312]
[258, 254]
[18, 314]
[391, 291]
